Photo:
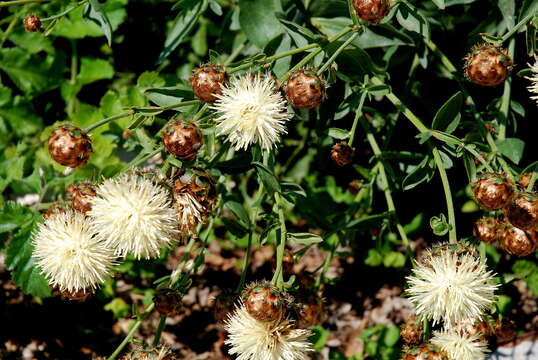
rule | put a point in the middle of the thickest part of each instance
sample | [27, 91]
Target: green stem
[137, 161]
[325, 268]
[438, 161]
[245, 264]
[523, 21]
[384, 178]
[107, 120]
[159, 331]
[452, 236]
[175, 275]
[278, 278]
[162, 108]
[64, 13]
[131, 333]
[358, 115]
[19, 2]
[12, 25]
[337, 52]
[505, 102]
[235, 53]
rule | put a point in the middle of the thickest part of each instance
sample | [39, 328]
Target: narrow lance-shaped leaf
[94, 12]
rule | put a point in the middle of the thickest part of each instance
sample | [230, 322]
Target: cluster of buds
[514, 230]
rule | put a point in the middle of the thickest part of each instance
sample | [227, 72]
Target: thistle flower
[69, 255]
[460, 346]
[189, 212]
[251, 110]
[251, 339]
[133, 215]
[451, 285]
[533, 88]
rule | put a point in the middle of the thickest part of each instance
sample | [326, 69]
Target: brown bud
[487, 65]
[223, 305]
[305, 89]
[493, 191]
[82, 195]
[486, 229]
[198, 184]
[70, 146]
[525, 180]
[183, 139]
[58, 207]
[505, 330]
[264, 302]
[207, 81]
[372, 11]
[412, 331]
[424, 352]
[515, 241]
[167, 302]
[342, 154]
[354, 186]
[309, 311]
[32, 23]
[522, 212]
[79, 295]
[479, 328]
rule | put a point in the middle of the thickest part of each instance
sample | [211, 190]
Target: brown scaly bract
[487, 65]
[522, 212]
[183, 139]
[167, 302]
[305, 89]
[486, 229]
[32, 23]
[342, 154]
[371, 10]
[81, 195]
[207, 82]
[493, 191]
[264, 301]
[515, 241]
[70, 146]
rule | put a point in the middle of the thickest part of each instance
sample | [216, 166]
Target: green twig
[505, 101]
[107, 120]
[337, 52]
[159, 331]
[19, 2]
[64, 12]
[278, 278]
[131, 333]
[358, 114]
[523, 22]
[452, 236]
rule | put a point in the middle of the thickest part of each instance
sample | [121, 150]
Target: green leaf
[339, 134]
[411, 19]
[22, 117]
[394, 259]
[512, 148]
[183, 25]
[374, 258]
[422, 172]
[239, 211]
[13, 216]
[391, 336]
[320, 337]
[235, 227]
[528, 7]
[532, 282]
[524, 267]
[439, 225]
[259, 22]
[20, 262]
[508, 10]
[440, 4]
[368, 221]
[304, 238]
[119, 308]
[268, 179]
[94, 12]
[94, 69]
[448, 116]
[379, 90]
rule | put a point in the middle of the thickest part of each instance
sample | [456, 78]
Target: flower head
[459, 345]
[69, 255]
[189, 212]
[133, 215]
[533, 88]
[251, 339]
[251, 110]
[451, 285]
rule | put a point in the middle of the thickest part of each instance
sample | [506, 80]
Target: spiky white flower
[134, 216]
[251, 339]
[533, 88]
[251, 110]
[458, 345]
[190, 212]
[69, 254]
[451, 286]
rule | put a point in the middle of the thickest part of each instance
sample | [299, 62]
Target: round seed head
[32, 23]
[183, 139]
[371, 11]
[342, 154]
[70, 146]
[207, 82]
[493, 191]
[487, 65]
[305, 89]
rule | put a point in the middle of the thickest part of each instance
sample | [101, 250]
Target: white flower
[69, 255]
[251, 110]
[533, 88]
[190, 212]
[134, 216]
[451, 286]
[458, 345]
[251, 339]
